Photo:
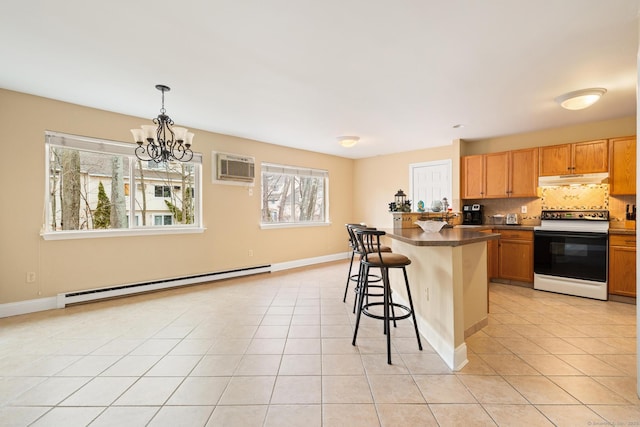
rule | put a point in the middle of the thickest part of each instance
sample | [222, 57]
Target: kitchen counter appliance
[571, 252]
[512, 219]
[472, 214]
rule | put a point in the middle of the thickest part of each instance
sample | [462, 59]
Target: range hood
[575, 179]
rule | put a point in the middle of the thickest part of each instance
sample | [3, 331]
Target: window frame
[295, 171]
[108, 147]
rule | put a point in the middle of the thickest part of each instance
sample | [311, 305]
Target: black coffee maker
[472, 214]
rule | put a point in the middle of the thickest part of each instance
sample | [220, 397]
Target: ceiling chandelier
[163, 141]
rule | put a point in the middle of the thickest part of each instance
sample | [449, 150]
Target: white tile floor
[275, 350]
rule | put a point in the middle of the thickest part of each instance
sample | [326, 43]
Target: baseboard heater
[88, 295]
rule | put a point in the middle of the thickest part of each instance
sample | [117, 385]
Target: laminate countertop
[496, 227]
[456, 236]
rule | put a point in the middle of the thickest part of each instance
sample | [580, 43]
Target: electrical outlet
[250, 253]
[523, 209]
[31, 276]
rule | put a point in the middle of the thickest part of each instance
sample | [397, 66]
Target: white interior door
[430, 181]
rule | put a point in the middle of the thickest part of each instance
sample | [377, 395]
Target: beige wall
[359, 192]
[625, 126]
[230, 214]
[377, 179]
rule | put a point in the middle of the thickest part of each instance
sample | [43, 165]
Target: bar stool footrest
[372, 278]
[366, 312]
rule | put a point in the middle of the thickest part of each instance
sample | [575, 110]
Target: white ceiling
[299, 73]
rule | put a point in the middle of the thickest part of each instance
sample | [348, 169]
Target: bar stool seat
[369, 244]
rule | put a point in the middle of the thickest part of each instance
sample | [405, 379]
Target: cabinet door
[523, 173]
[516, 260]
[622, 271]
[492, 258]
[622, 165]
[590, 157]
[496, 167]
[472, 177]
[555, 160]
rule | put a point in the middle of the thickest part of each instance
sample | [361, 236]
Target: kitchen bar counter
[448, 279]
[446, 237]
[497, 227]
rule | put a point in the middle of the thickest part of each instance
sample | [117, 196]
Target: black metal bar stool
[369, 243]
[353, 244]
[359, 250]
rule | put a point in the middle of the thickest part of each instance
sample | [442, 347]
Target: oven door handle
[581, 235]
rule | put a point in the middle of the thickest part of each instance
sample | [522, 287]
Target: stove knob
[601, 215]
[580, 215]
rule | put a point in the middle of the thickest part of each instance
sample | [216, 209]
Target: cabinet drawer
[515, 234]
[622, 240]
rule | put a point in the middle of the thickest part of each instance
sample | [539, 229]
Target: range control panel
[591, 215]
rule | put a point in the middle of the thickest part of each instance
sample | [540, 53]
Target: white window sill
[94, 234]
[267, 226]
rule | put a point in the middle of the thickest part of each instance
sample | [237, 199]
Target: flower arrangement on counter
[405, 207]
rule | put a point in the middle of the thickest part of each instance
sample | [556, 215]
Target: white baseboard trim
[28, 306]
[309, 261]
[50, 303]
[455, 358]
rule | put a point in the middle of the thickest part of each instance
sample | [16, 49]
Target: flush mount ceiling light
[348, 141]
[580, 99]
[164, 142]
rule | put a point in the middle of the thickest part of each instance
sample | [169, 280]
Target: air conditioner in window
[235, 167]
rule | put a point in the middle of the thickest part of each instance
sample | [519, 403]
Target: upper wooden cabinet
[622, 165]
[496, 167]
[580, 157]
[472, 179]
[523, 173]
[500, 175]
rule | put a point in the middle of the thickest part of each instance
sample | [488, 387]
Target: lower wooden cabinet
[511, 258]
[622, 265]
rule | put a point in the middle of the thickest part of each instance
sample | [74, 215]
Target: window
[162, 219]
[95, 184]
[163, 190]
[292, 195]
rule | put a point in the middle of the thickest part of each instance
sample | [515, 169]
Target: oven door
[576, 255]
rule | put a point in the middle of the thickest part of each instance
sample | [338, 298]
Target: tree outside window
[293, 195]
[97, 184]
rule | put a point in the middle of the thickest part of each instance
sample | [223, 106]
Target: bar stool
[354, 250]
[359, 250]
[369, 242]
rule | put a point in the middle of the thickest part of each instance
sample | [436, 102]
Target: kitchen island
[448, 279]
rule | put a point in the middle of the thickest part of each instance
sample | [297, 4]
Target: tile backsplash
[585, 196]
[511, 205]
